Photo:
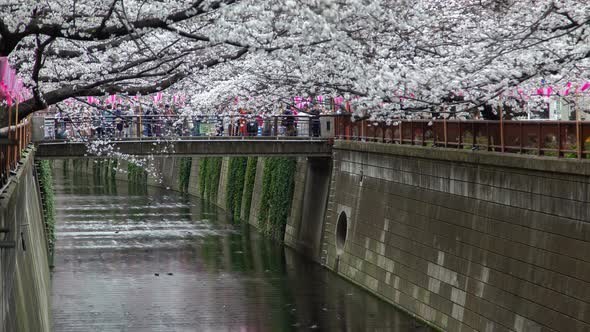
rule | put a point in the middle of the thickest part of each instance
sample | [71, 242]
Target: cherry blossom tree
[406, 56]
[390, 58]
[89, 48]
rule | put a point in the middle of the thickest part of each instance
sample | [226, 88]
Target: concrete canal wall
[465, 240]
[24, 269]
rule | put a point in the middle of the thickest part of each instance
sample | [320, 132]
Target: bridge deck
[191, 146]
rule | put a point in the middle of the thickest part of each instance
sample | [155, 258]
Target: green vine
[202, 175]
[184, 173]
[46, 186]
[136, 173]
[235, 186]
[209, 171]
[113, 169]
[249, 185]
[277, 194]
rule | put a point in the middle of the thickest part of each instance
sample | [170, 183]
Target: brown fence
[570, 139]
[11, 146]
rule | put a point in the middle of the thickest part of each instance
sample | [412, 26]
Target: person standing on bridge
[267, 124]
[289, 122]
[169, 120]
[315, 121]
[97, 123]
[148, 122]
[109, 121]
[119, 122]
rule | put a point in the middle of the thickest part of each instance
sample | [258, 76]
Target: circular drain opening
[341, 232]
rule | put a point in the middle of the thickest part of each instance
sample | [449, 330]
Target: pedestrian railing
[11, 147]
[171, 126]
[563, 139]
[569, 139]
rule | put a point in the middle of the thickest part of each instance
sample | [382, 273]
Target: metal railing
[11, 147]
[171, 126]
[569, 139]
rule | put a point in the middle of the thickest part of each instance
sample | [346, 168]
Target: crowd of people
[125, 121]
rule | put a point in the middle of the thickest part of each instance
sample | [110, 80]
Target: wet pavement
[133, 258]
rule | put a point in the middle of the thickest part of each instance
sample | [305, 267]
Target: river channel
[137, 258]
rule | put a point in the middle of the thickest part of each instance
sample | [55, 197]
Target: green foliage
[46, 186]
[249, 184]
[235, 185]
[277, 195]
[184, 173]
[136, 173]
[209, 171]
[78, 164]
[202, 175]
[113, 168]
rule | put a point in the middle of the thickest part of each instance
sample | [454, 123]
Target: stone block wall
[468, 241]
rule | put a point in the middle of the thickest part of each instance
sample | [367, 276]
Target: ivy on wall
[277, 195]
[103, 169]
[249, 185]
[202, 176]
[113, 164]
[209, 171]
[46, 186]
[184, 171]
[136, 173]
[235, 186]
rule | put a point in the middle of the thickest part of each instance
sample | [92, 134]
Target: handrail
[171, 126]
[11, 147]
[562, 139]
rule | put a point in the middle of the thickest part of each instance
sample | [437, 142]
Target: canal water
[136, 258]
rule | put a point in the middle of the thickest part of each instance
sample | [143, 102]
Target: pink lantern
[567, 89]
[548, 91]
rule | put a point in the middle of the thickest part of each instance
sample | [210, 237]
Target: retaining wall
[465, 240]
[306, 221]
[24, 270]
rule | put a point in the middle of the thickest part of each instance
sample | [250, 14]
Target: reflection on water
[133, 258]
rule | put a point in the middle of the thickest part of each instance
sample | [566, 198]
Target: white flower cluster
[389, 58]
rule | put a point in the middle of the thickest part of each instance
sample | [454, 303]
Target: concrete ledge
[545, 164]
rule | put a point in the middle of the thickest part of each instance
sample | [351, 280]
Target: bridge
[164, 135]
[283, 135]
[191, 146]
[312, 136]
